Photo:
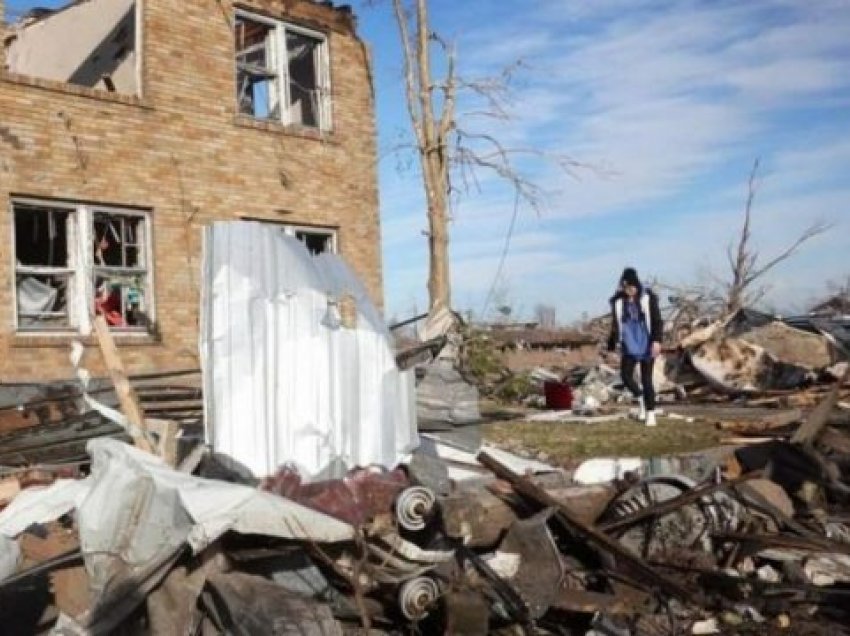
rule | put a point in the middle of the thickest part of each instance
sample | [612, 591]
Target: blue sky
[667, 103]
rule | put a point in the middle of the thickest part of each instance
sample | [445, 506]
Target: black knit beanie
[630, 277]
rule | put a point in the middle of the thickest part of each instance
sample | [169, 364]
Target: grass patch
[568, 443]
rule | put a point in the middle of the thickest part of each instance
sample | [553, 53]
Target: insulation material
[734, 365]
[791, 345]
[287, 378]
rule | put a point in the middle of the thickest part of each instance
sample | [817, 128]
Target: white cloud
[673, 100]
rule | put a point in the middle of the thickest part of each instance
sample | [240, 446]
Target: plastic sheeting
[35, 297]
[135, 508]
[284, 380]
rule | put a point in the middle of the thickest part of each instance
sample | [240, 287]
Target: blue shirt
[635, 334]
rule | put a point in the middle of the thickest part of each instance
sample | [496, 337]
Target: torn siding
[294, 371]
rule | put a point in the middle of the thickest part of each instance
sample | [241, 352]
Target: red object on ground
[559, 395]
[363, 494]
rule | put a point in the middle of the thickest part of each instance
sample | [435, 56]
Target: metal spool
[413, 507]
[417, 596]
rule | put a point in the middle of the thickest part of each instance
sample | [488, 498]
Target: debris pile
[318, 508]
[445, 542]
[746, 355]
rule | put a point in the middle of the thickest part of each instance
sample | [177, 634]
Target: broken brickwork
[108, 175]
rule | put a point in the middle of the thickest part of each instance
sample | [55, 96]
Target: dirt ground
[569, 443]
[550, 359]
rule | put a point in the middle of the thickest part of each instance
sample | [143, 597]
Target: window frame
[328, 232]
[281, 59]
[82, 267]
[70, 270]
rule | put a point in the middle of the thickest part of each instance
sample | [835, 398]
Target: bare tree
[432, 124]
[447, 151]
[745, 262]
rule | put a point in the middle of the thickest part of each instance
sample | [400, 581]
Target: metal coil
[417, 596]
[413, 507]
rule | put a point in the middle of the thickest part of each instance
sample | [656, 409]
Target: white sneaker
[641, 409]
[650, 418]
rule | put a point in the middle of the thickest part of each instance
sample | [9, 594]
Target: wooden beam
[166, 431]
[809, 430]
[588, 602]
[127, 397]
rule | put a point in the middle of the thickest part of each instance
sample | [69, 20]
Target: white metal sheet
[284, 381]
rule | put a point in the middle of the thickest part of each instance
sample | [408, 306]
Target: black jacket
[654, 322]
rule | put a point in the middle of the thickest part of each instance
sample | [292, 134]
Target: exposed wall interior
[88, 43]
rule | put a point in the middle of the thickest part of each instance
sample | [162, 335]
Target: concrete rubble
[138, 545]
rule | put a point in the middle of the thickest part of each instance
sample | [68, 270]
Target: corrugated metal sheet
[284, 382]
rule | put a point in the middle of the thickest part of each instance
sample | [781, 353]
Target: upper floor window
[73, 261]
[282, 72]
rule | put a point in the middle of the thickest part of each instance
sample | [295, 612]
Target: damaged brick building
[128, 125]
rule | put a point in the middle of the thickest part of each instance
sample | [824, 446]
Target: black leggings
[627, 369]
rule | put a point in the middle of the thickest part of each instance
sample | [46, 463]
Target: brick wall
[180, 150]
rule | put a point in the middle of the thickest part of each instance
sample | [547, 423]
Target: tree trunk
[439, 288]
[432, 125]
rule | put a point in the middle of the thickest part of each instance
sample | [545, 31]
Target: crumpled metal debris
[479, 545]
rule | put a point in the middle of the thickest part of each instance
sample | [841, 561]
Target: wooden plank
[166, 431]
[588, 602]
[9, 489]
[126, 395]
[817, 419]
[745, 441]
[57, 443]
[745, 427]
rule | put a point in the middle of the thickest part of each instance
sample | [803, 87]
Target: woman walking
[637, 327]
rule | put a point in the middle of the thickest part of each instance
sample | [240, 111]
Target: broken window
[256, 72]
[316, 240]
[119, 273]
[44, 272]
[90, 44]
[75, 261]
[297, 78]
[305, 93]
